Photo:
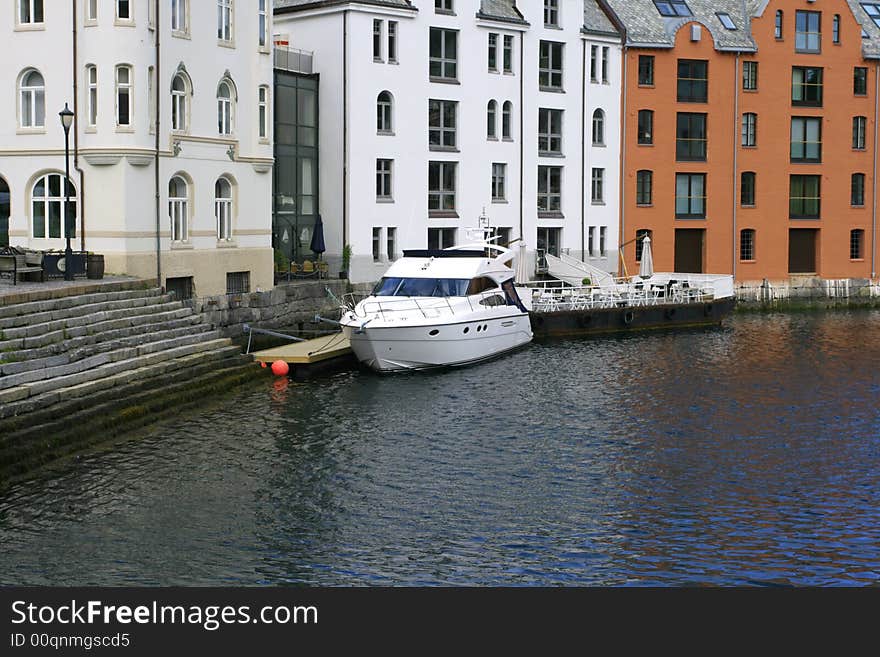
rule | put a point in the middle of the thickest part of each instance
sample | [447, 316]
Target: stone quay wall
[808, 292]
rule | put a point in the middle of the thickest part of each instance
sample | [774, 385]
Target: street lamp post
[67, 121]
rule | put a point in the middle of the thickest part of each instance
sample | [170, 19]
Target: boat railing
[556, 296]
[432, 307]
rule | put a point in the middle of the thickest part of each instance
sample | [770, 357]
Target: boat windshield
[421, 287]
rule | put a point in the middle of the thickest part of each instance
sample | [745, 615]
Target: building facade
[437, 112]
[750, 136]
[171, 147]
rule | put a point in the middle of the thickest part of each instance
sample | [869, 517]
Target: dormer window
[672, 8]
[726, 21]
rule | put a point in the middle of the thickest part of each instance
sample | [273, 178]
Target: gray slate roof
[282, 6]
[646, 27]
[871, 45]
[596, 21]
[503, 10]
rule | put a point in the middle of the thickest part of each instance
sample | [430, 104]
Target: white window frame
[127, 20]
[223, 205]
[263, 17]
[46, 200]
[124, 89]
[391, 243]
[499, 182]
[178, 211]
[91, 9]
[225, 21]
[598, 186]
[385, 114]
[263, 113]
[507, 120]
[180, 104]
[37, 97]
[598, 124]
[225, 108]
[91, 96]
[392, 42]
[384, 179]
[180, 17]
[30, 6]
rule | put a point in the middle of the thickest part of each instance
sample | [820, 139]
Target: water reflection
[741, 455]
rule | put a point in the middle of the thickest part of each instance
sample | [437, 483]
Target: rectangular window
[551, 13]
[263, 112]
[92, 82]
[808, 34]
[30, 12]
[598, 186]
[493, 52]
[747, 245]
[591, 237]
[646, 127]
[392, 42]
[224, 20]
[549, 131]
[605, 55]
[377, 40]
[806, 139]
[549, 189]
[693, 80]
[594, 64]
[747, 189]
[443, 64]
[91, 10]
[444, 6]
[123, 10]
[672, 8]
[508, 53]
[383, 180]
[441, 124]
[441, 238]
[550, 65]
[860, 81]
[835, 29]
[644, 187]
[238, 282]
[856, 244]
[263, 23]
[603, 230]
[123, 96]
[750, 76]
[857, 189]
[777, 25]
[726, 20]
[377, 244]
[750, 129]
[690, 137]
[179, 16]
[804, 197]
[441, 187]
[806, 86]
[499, 181]
[690, 196]
[549, 240]
[860, 124]
[646, 70]
[391, 243]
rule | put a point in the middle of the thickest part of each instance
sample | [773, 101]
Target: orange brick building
[749, 136]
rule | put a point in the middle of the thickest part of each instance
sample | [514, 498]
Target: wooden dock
[326, 353]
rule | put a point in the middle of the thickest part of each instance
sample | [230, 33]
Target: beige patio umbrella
[646, 267]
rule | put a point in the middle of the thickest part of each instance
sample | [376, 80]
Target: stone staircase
[81, 367]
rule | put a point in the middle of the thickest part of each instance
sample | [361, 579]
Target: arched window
[491, 121]
[506, 114]
[641, 234]
[778, 24]
[747, 244]
[32, 112]
[223, 208]
[50, 207]
[180, 91]
[123, 95]
[598, 127]
[224, 107]
[384, 116]
[92, 95]
[178, 209]
[747, 188]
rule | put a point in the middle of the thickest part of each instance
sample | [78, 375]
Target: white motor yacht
[440, 308]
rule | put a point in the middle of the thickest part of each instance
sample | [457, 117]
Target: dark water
[745, 455]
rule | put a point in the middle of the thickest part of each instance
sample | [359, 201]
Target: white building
[171, 152]
[434, 110]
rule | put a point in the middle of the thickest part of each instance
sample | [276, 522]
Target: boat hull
[629, 318]
[407, 348]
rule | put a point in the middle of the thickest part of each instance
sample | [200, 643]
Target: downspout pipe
[874, 188]
[76, 166]
[158, 121]
[735, 162]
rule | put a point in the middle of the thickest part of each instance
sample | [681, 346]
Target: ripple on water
[746, 455]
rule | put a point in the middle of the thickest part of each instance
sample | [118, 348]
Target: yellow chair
[308, 269]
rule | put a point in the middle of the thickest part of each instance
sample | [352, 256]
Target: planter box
[51, 261]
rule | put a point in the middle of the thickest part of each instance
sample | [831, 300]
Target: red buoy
[280, 368]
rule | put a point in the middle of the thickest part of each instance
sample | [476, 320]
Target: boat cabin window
[481, 284]
[421, 287]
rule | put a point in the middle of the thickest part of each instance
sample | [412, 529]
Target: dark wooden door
[689, 250]
[802, 250]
